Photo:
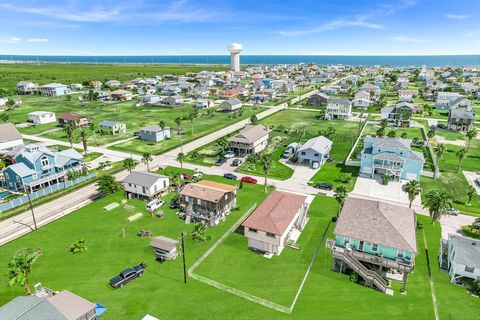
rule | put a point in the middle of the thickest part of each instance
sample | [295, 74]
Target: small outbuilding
[164, 248]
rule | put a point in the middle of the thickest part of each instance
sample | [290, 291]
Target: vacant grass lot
[449, 160]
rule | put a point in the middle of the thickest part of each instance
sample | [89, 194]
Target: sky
[264, 27]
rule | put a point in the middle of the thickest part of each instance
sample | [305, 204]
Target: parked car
[229, 154]
[441, 126]
[174, 205]
[154, 204]
[236, 162]
[288, 153]
[230, 176]
[477, 181]
[453, 212]
[220, 161]
[197, 175]
[249, 180]
[185, 176]
[324, 186]
[128, 275]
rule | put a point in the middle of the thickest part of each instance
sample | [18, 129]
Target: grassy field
[449, 160]
[162, 293]
[78, 73]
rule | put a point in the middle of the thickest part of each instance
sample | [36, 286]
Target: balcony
[397, 264]
[387, 166]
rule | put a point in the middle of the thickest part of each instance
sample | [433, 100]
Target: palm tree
[178, 122]
[129, 164]
[222, 144]
[341, 196]
[439, 150]
[472, 133]
[470, 193]
[267, 163]
[300, 133]
[69, 130]
[192, 116]
[21, 266]
[4, 116]
[461, 155]
[413, 189]
[431, 133]
[180, 158]
[146, 158]
[84, 136]
[162, 124]
[108, 185]
[437, 204]
[93, 128]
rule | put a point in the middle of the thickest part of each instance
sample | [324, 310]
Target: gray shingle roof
[154, 128]
[379, 223]
[250, 134]
[467, 250]
[320, 144]
[390, 142]
[344, 102]
[8, 132]
[144, 179]
[30, 308]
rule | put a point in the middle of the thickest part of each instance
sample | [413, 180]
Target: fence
[43, 192]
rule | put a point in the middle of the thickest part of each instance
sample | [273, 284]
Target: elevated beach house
[277, 222]
[37, 166]
[376, 240]
[74, 119]
[112, 127]
[460, 256]
[207, 202]
[338, 109]
[42, 117]
[53, 89]
[461, 115]
[391, 156]
[314, 152]
[250, 140]
[154, 133]
[398, 115]
[144, 185]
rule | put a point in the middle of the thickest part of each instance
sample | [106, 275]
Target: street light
[182, 236]
[31, 209]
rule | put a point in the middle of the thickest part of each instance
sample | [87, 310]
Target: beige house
[277, 222]
[251, 139]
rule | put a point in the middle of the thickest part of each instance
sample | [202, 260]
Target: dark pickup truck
[128, 275]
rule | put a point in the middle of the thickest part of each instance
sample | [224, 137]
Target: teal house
[37, 167]
[373, 238]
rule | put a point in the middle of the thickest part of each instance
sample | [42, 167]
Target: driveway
[452, 224]
[471, 176]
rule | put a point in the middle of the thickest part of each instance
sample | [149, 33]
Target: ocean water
[397, 61]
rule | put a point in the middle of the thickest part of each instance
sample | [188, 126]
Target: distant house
[207, 202]
[338, 109]
[96, 85]
[150, 98]
[144, 185]
[373, 237]
[329, 90]
[231, 105]
[121, 95]
[173, 101]
[26, 87]
[406, 95]
[251, 139]
[361, 100]
[318, 99]
[74, 119]
[391, 156]
[51, 305]
[154, 133]
[112, 127]
[276, 222]
[76, 86]
[37, 166]
[10, 138]
[444, 99]
[42, 117]
[461, 115]
[53, 89]
[112, 83]
[371, 88]
[203, 103]
[398, 115]
[315, 150]
[3, 101]
[460, 256]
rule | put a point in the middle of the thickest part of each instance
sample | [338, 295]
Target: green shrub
[471, 232]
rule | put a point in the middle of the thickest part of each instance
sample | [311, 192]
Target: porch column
[404, 281]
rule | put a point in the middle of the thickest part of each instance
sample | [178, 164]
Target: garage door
[367, 170]
[411, 176]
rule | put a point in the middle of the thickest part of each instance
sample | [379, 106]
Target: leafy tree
[437, 204]
[129, 164]
[439, 151]
[20, 267]
[391, 134]
[405, 136]
[178, 122]
[108, 185]
[222, 144]
[180, 158]
[146, 158]
[413, 189]
[472, 133]
[380, 132]
[341, 196]
[84, 136]
[162, 124]
[470, 193]
[4, 116]
[192, 116]
[253, 119]
[69, 131]
[383, 123]
[431, 133]
[78, 246]
[267, 164]
[461, 155]
[93, 128]
[198, 232]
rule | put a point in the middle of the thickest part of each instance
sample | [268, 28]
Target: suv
[230, 176]
[229, 154]
[128, 275]
[324, 186]
[236, 162]
[220, 161]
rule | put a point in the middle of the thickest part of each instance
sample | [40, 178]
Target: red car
[185, 176]
[248, 180]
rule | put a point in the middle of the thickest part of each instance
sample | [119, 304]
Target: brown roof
[276, 212]
[120, 92]
[70, 116]
[207, 190]
[163, 243]
[377, 222]
[250, 134]
[8, 132]
[70, 305]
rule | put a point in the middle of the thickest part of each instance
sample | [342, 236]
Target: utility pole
[182, 235]
[31, 209]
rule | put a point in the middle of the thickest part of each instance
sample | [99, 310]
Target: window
[144, 190]
[469, 269]
[303, 153]
[374, 247]
[186, 198]
[316, 154]
[18, 179]
[400, 254]
[34, 177]
[199, 202]
[252, 230]
[44, 161]
[6, 175]
[271, 235]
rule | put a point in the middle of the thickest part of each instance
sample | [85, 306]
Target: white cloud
[410, 39]
[37, 40]
[13, 39]
[457, 16]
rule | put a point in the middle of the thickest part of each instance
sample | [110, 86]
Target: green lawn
[279, 171]
[371, 129]
[449, 160]
[455, 185]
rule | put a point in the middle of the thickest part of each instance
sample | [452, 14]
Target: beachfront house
[231, 105]
[444, 99]
[391, 156]
[53, 89]
[277, 222]
[250, 140]
[461, 115]
[26, 87]
[145, 185]
[338, 109]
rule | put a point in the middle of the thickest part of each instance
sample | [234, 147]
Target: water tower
[235, 49]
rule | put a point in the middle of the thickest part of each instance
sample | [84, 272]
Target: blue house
[392, 157]
[36, 167]
[268, 83]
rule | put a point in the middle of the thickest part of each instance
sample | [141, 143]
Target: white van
[154, 204]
